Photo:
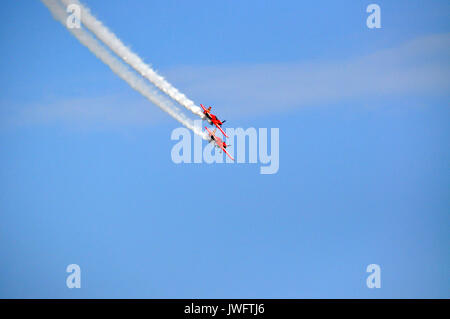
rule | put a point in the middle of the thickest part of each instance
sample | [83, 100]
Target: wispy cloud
[100, 112]
[418, 67]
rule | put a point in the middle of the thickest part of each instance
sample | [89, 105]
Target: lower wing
[227, 153]
[220, 129]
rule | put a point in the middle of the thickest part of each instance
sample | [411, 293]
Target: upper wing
[218, 126]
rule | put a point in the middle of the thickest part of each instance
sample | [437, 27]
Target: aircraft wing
[220, 129]
[223, 149]
[204, 109]
[210, 133]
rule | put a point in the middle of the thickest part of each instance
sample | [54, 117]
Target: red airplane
[218, 141]
[212, 119]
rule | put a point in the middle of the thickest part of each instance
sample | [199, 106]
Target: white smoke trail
[132, 59]
[120, 69]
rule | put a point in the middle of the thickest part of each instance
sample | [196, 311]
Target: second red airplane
[218, 142]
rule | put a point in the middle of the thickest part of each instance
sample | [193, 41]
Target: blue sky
[87, 177]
